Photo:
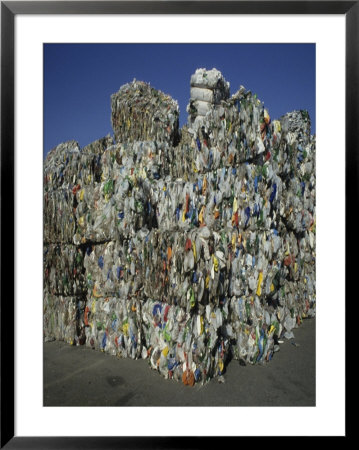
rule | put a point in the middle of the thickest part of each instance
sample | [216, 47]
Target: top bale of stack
[210, 79]
[208, 88]
[142, 113]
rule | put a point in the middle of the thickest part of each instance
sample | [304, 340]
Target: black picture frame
[9, 9]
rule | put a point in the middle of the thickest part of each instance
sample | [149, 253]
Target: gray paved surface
[79, 376]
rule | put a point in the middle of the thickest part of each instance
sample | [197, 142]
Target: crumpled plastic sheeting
[188, 254]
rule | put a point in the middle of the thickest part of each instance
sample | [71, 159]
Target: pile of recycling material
[189, 254]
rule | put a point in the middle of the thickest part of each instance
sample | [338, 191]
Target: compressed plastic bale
[241, 121]
[200, 107]
[63, 318]
[193, 200]
[175, 342]
[175, 279]
[56, 155]
[66, 171]
[140, 112]
[205, 95]
[96, 212]
[113, 326]
[50, 317]
[60, 164]
[208, 88]
[210, 79]
[113, 269]
[59, 219]
[143, 160]
[64, 270]
[99, 146]
[298, 122]
[103, 218]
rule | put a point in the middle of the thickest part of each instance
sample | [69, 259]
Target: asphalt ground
[79, 376]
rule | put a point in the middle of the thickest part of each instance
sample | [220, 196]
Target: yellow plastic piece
[95, 293]
[194, 250]
[266, 117]
[277, 127]
[204, 186]
[259, 287]
[287, 251]
[207, 281]
[233, 240]
[215, 263]
[125, 329]
[201, 323]
[200, 215]
[235, 205]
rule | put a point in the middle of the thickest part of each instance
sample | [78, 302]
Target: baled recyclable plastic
[63, 318]
[140, 112]
[188, 247]
[208, 88]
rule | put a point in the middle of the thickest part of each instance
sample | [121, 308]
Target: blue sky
[80, 78]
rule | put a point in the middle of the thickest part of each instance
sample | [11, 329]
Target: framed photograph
[58, 59]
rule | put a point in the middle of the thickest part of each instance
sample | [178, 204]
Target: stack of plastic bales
[64, 280]
[208, 88]
[187, 252]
